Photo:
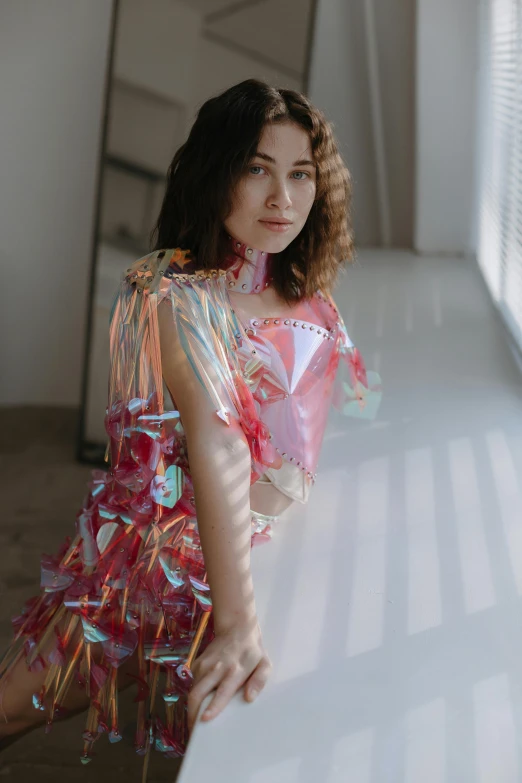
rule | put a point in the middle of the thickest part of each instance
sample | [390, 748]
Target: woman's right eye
[251, 169]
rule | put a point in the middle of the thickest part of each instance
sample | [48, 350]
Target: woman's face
[275, 195]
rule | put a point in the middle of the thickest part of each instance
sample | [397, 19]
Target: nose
[279, 196]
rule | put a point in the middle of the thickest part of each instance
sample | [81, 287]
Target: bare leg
[18, 716]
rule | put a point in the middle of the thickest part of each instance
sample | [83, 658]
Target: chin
[273, 244]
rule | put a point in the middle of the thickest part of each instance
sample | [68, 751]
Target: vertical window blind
[499, 245]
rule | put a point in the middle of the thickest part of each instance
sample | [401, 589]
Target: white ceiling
[276, 30]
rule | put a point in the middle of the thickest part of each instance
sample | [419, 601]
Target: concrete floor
[391, 605]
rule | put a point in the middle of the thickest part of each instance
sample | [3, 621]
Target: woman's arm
[220, 464]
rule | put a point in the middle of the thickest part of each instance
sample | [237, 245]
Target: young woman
[225, 347]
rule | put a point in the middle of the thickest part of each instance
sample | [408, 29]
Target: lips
[274, 225]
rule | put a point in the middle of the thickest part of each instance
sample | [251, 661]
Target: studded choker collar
[248, 269]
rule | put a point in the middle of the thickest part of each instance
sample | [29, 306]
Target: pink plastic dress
[133, 579]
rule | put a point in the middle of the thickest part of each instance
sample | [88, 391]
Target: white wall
[427, 61]
[340, 86]
[52, 69]
[160, 46]
[219, 68]
[157, 47]
[447, 60]
[344, 99]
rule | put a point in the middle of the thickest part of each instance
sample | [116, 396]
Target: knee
[16, 725]
[17, 712]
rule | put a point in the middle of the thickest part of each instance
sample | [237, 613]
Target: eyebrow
[269, 159]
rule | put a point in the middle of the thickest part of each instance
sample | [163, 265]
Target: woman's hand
[234, 658]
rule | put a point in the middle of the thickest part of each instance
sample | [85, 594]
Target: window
[499, 241]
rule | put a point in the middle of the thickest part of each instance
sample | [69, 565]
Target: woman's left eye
[298, 175]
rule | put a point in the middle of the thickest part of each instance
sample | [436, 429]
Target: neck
[248, 269]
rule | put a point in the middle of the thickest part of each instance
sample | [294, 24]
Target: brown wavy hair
[206, 169]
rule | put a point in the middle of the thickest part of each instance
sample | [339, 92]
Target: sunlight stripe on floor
[367, 597]
[424, 597]
[312, 578]
[477, 581]
[509, 499]
[496, 743]
[352, 758]
[426, 743]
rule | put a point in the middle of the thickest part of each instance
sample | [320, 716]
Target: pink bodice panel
[289, 365]
[293, 385]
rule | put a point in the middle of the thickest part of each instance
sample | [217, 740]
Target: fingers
[220, 681]
[201, 689]
[258, 679]
[226, 689]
